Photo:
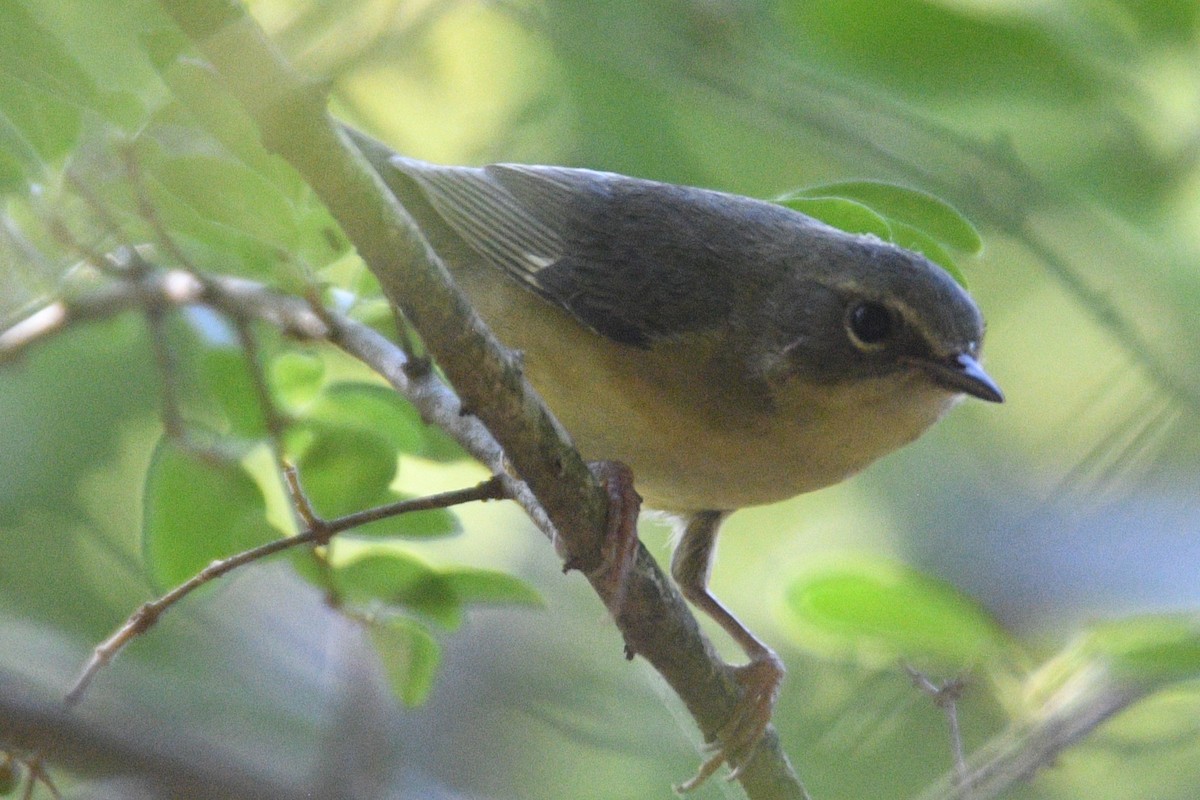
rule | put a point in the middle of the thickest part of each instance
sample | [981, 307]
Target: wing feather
[633, 260]
[516, 236]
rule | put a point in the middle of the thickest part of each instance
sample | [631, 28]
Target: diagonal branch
[1013, 757]
[294, 123]
[317, 532]
[243, 299]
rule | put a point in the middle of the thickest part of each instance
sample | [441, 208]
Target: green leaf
[410, 658]
[312, 568]
[226, 379]
[297, 377]
[943, 51]
[430, 524]
[886, 611]
[848, 215]
[265, 198]
[371, 407]
[20, 163]
[381, 410]
[43, 90]
[348, 458]
[937, 218]
[224, 191]
[397, 579]
[437, 445]
[912, 239]
[490, 587]
[199, 89]
[219, 244]
[344, 469]
[195, 512]
[59, 418]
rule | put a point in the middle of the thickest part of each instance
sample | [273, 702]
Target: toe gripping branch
[619, 550]
[737, 740]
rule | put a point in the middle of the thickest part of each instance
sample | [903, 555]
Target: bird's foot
[619, 549]
[737, 740]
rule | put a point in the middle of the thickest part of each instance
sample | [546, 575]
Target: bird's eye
[870, 324]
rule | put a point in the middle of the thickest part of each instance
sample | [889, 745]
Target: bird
[730, 351]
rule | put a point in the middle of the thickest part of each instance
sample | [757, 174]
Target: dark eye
[870, 324]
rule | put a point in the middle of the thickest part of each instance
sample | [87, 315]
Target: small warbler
[732, 352]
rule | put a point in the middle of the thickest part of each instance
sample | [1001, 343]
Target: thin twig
[273, 419]
[945, 696]
[173, 287]
[38, 774]
[164, 360]
[317, 534]
[40, 324]
[1089, 699]
[301, 505]
[33, 764]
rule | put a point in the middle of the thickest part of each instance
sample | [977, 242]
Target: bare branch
[318, 532]
[49, 320]
[1080, 706]
[945, 696]
[34, 767]
[242, 299]
[274, 420]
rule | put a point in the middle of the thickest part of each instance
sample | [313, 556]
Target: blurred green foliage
[1066, 132]
[881, 613]
[910, 218]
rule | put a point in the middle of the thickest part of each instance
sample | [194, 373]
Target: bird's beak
[962, 373]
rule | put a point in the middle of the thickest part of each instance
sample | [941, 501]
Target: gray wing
[636, 261]
[518, 235]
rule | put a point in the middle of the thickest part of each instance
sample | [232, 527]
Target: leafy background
[1067, 132]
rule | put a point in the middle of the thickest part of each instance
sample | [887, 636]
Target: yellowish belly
[680, 424]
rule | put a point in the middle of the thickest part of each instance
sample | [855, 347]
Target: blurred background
[1067, 132]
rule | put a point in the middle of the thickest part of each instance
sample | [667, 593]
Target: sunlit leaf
[848, 215]
[886, 611]
[916, 240]
[196, 511]
[937, 218]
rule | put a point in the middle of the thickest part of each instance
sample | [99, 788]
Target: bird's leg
[620, 537]
[759, 679]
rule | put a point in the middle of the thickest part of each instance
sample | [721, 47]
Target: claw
[620, 537]
[706, 770]
[737, 740]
